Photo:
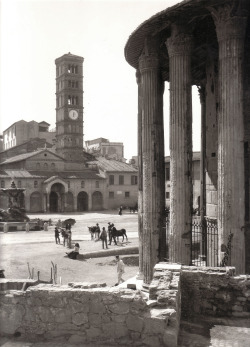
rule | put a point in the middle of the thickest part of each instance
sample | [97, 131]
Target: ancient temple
[204, 43]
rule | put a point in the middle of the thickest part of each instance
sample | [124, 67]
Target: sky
[33, 33]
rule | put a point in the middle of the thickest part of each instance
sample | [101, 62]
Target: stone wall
[214, 292]
[79, 313]
[89, 313]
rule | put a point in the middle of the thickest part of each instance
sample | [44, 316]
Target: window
[97, 184]
[111, 179]
[45, 166]
[19, 184]
[167, 174]
[127, 194]
[133, 180]
[2, 184]
[82, 184]
[167, 195]
[121, 179]
[111, 195]
[35, 184]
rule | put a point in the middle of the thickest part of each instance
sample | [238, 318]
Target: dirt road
[38, 248]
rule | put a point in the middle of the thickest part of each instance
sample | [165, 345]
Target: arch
[82, 201]
[35, 202]
[97, 201]
[56, 198]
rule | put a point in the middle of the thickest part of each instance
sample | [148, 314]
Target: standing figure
[69, 238]
[45, 226]
[27, 227]
[103, 237]
[65, 237]
[112, 235]
[120, 211]
[98, 230]
[120, 269]
[57, 238]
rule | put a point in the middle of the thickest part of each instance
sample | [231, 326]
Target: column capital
[148, 62]
[227, 25]
[179, 44]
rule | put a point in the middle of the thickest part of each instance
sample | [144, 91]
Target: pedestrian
[98, 230]
[112, 236]
[57, 238]
[120, 211]
[120, 269]
[65, 236]
[59, 223]
[27, 227]
[103, 237]
[73, 254]
[69, 238]
[45, 226]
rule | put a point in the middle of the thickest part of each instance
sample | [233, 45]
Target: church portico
[202, 43]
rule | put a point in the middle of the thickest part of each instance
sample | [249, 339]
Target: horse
[94, 231]
[117, 233]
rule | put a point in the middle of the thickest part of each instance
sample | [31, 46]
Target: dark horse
[116, 233]
[95, 232]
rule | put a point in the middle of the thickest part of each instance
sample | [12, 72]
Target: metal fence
[204, 245]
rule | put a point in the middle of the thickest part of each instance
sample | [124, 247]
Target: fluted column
[154, 233]
[179, 49]
[231, 195]
[140, 184]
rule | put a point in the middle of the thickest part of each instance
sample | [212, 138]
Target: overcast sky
[34, 33]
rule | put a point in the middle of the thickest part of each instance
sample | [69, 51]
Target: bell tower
[69, 107]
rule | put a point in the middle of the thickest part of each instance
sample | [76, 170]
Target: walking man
[120, 269]
[57, 238]
[103, 237]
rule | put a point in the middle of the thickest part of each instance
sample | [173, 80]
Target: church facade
[62, 177]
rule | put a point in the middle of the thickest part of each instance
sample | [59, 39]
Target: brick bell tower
[69, 107]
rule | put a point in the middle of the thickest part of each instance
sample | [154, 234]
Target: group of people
[105, 235]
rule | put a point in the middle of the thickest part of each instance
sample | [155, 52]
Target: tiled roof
[18, 174]
[112, 165]
[20, 157]
[25, 156]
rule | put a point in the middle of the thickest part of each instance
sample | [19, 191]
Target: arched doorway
[56, 198]
[82, 202]
[53, 202]
[97, 201]
[35, 202]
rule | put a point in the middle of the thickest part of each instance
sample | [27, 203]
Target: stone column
[140, 185]
[153, 176]
[181, 198]
[231, 191]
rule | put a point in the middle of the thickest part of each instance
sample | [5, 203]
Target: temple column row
[231, 193]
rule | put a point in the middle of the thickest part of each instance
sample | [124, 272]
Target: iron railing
[204, 245]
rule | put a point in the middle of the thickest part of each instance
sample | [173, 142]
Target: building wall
[116, 193]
